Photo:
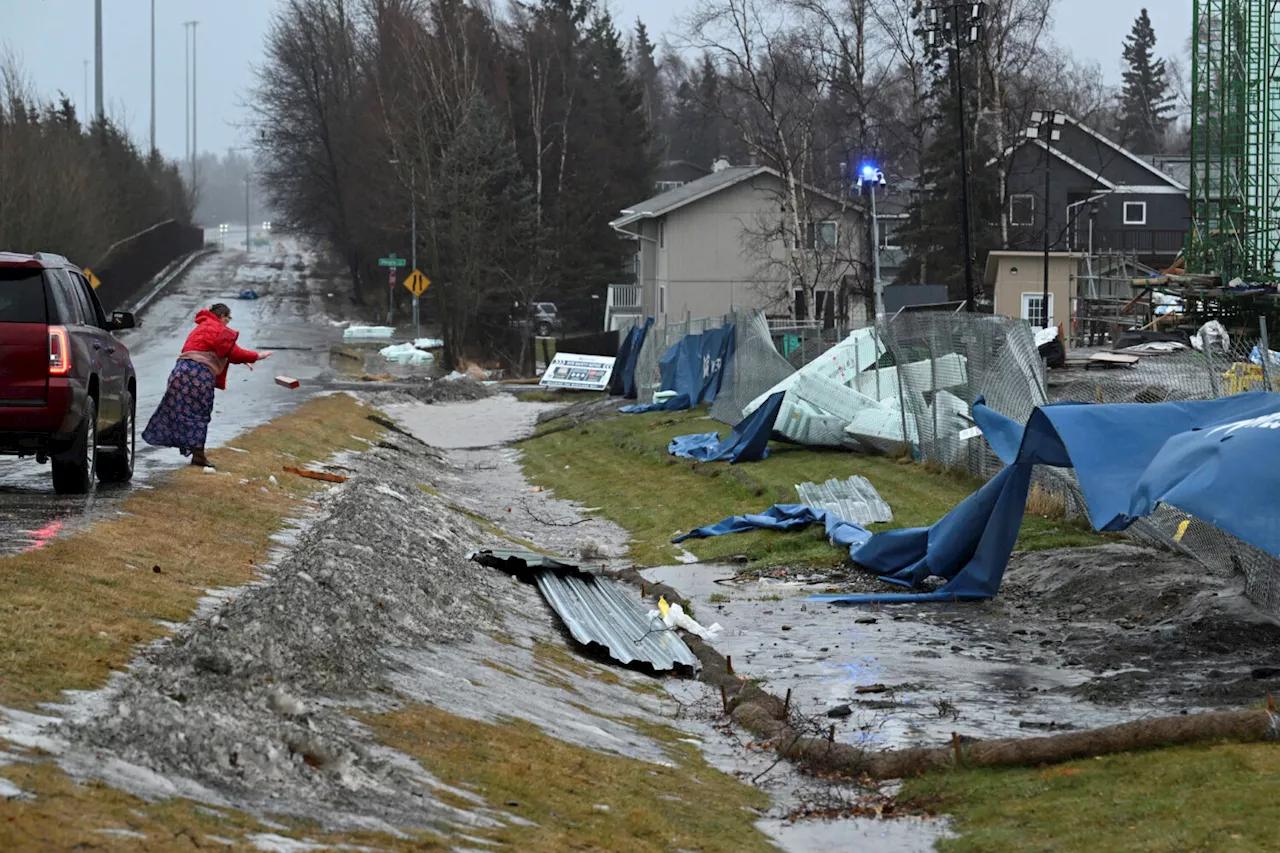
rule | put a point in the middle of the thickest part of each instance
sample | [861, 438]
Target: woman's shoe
[198, 458]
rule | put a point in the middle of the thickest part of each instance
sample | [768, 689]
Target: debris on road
[287, 382]
[406, 354]
[315, 475]
[598, 612]
[673, 616]
[352, 333]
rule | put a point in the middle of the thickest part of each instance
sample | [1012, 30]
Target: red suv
[67, 386]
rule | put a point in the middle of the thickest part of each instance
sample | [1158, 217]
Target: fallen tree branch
[315, 475]
[524, 503]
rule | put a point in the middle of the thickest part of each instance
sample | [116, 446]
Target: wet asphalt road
[288, 313]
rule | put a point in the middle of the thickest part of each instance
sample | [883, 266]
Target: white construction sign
[583, 372]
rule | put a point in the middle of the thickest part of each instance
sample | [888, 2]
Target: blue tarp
[1217, 460]
[693, 369]
[623, 381]
[747, 442]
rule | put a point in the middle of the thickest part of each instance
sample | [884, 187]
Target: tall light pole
[186, 86]
[194, 144]
[954, 24]
[86, 107]
[100, 108]
[1051, 120]
[153, 78]
[870, 176]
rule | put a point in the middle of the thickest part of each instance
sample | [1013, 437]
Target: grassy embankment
[622, 466]
[79, 609]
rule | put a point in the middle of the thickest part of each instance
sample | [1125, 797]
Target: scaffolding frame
[1235, 149]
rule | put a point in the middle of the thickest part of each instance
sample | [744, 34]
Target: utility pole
[871, 176]
[186, 87]
[85, 107]
[195, 90]
[153, 78]
[944, 25]
[1052, 120]
[247, 244]
[100, 108]
[413, 218]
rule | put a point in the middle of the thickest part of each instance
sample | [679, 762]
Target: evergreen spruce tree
[1145, 104]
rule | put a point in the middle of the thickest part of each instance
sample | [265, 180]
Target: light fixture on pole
[952, 26]
[870, 176]
[1049, 122]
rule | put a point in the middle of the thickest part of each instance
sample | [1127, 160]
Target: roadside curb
[166, 280]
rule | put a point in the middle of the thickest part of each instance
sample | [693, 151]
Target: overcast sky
[53, 38]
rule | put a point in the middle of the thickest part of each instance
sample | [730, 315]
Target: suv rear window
[21, 296]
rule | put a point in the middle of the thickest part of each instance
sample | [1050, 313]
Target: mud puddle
[1079, 638]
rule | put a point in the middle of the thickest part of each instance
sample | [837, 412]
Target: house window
[1135, 213]
[662, 233]
[1033, 309]
[889, 234]
[825, 235]
[662, 299]
[1022, 209]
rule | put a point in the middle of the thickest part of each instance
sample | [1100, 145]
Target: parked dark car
[67, 385]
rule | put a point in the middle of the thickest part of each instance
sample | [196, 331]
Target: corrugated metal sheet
[854, 499]
[598, 610]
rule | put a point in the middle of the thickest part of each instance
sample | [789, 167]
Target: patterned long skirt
[182, 418]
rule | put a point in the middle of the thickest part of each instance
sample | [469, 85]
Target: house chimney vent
[720, 165]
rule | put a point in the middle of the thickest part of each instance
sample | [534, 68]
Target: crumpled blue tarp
[692, 368]
[784, 518]
[747, 442]
[1217, 460]
[623, 381]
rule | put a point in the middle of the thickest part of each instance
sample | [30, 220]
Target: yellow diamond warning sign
[417, 283]
[93, 279]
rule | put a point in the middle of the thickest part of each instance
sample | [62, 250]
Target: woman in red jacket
[182, 419]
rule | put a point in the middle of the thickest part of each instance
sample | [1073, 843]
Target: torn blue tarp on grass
[785, 518]
[747, 442]
[692, 368]
[1216, 460]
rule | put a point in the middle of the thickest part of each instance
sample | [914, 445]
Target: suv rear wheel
[116, 466]
[74, 469]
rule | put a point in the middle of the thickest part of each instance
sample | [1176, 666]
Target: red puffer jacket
[211, 335]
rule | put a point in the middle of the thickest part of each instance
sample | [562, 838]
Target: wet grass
[68, 815]
[622, 465]
[577, 798]
[1168, 801]
[74, 611]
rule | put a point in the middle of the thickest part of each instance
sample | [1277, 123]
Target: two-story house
[1103, 200]
[728, 241]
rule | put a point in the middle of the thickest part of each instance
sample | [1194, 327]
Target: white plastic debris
[272, 480]
[406, 354]
[1212, 337]
[1046, 336]
[428, 343]
[209, 469]
[367, 332]
[673, 616]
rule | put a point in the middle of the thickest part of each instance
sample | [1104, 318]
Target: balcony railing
[1140, 241]
[623, 296]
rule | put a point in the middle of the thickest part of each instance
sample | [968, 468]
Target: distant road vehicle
[67, 384]
[545, 318]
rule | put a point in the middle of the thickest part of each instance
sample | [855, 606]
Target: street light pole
[1052, 120]
[101, 109]
[153, 78]
[186, 87]
[248, 247]
[873, 176]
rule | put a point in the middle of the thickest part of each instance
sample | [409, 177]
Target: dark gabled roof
[1145, 163]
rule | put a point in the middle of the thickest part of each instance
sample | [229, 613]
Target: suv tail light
[59, 352]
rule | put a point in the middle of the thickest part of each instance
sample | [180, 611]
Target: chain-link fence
[913, 380]
[661, 337]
